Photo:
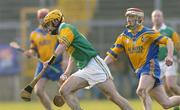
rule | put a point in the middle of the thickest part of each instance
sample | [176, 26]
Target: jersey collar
[163, 27]
[128, 32]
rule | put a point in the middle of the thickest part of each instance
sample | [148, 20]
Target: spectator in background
[43, 45]
[168, 73]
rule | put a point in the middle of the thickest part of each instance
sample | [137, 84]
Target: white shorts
[95, 72]
[168, 70]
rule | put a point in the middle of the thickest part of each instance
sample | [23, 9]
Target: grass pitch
[86, 105]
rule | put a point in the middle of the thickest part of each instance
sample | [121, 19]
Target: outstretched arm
[114, 51]
[29, 53]
[169, 44]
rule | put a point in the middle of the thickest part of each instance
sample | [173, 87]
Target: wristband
[52, 60]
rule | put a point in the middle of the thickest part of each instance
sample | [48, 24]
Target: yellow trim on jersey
[175, 37]
[66, 36]
[176, 40]
[109, 54]
[163, 40]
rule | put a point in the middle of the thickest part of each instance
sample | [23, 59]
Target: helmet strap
[54, 32]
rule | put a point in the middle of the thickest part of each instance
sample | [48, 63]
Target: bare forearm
[60, 49]
[170, 48]
[30, 53]
[70, 66]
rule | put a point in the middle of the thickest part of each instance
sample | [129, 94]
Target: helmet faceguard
[137, 15]
[52, 21]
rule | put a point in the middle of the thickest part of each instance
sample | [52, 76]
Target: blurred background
[100, 20]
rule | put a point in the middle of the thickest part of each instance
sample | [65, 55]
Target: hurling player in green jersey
[92, 69]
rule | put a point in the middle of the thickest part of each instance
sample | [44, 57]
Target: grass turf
[86, 105]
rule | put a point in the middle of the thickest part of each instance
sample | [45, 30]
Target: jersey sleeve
[66, 36]
[158, 38]
[176, 40]
[117, 48]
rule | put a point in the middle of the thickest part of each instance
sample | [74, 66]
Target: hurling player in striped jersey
[141, 45]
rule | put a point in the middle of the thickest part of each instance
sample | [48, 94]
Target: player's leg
[171, 87]
[163, 68]
[39, 90]
[171, 79]
[171, 83]
[109, 89]
[146, 83]
[107, 86]
[68, 89]
[159, 94]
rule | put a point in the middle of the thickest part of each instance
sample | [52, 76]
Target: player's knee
[141, 92]
[38, 91]
[138, 92]
[109, 96]
[112, 95]
[64, 91]
[171, 87]
[61, 91]
[166, 105]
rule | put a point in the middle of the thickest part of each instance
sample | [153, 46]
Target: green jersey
[77, 45]
[169, 32]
